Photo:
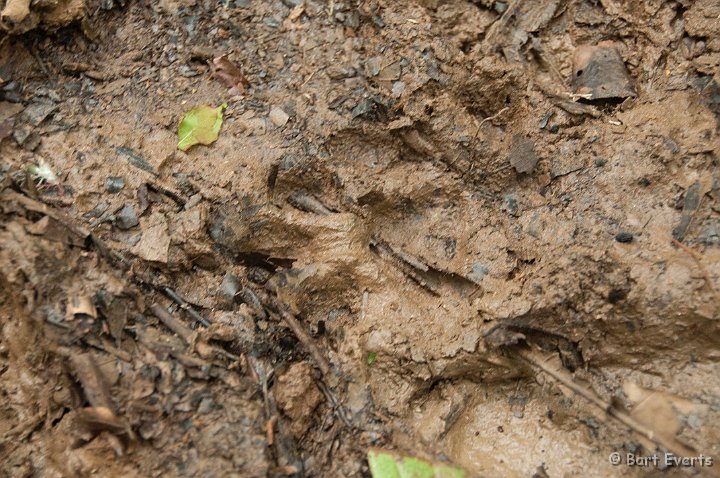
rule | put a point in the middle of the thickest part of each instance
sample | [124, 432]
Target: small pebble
[278, 116]
[624, 237]
[114, 184]
[127, 218]
[229, 288]
[206, 404]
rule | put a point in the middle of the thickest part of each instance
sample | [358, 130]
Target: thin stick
[37, 206]
[172, 295]
[180, 329]
[477, 131]
[566, 379]
[305, 339]
[706, 275]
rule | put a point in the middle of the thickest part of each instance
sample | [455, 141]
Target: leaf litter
[200, 125]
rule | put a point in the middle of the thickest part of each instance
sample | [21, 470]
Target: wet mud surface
[409, 207]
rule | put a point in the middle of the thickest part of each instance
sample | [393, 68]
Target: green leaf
[371, 357]
[200, 125]
[386, 464]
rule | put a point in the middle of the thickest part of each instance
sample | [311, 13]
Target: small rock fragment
[624, 237]
[21, 134]
[477, 273]
[691, 201]
[522, 155]
[298, 396]
[340, 72]
[37, 112]
[206, 404]
[114, 184]
[229, 288]
[278, 116]
[239, 325]
[155, 241]
[126, 218]
[599, 73]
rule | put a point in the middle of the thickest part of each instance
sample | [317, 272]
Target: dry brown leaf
[229, 75]
[659, 411]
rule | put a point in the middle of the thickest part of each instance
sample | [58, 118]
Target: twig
[182, 330]
[304, 338]
[706, 275]
[495, 27]
[37, 206]
[308, 203]
[672, 445]
[186, 333]
[172, 295]
[339, 410]
[310, 77]
[477, 132]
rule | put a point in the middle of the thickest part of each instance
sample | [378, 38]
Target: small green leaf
[371, 357]
[200, 125]
[386, 464]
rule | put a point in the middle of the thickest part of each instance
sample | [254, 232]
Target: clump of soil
[409, 234]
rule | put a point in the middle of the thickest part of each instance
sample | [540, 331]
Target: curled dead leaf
[229, 75]
[79, 305]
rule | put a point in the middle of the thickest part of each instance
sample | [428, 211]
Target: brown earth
[435, 198]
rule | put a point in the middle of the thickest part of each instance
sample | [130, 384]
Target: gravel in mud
[405, 199]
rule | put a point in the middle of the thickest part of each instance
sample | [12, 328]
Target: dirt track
[388, 216]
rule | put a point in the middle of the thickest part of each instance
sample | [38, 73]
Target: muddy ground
[388, 261]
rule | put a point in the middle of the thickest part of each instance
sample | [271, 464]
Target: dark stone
[126, 218]
[114, 184]
[258, 275]
[229, 288]
[600, 72]
[624, 237]
[616, 295]
[510, 204]
[522, 155]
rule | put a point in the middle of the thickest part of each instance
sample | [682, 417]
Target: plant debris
[200, 125]
[227, 73]
[386, 464]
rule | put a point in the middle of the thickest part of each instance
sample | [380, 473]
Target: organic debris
[227, 73]
[8, 111]
[386, 464]
[42, 172]
[200, 125]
